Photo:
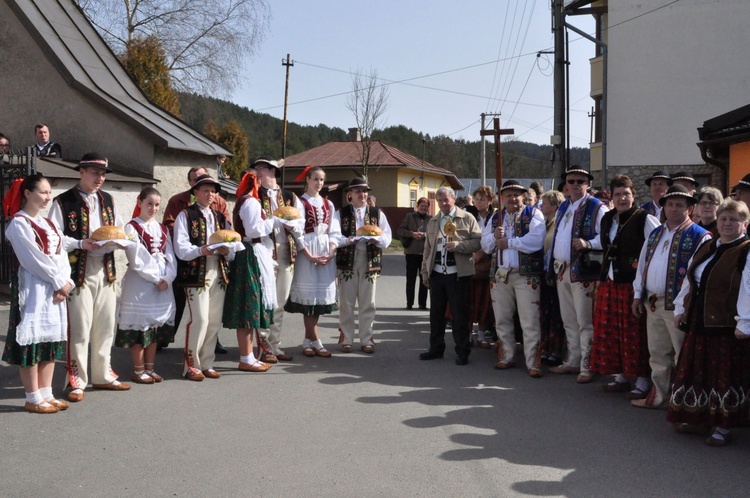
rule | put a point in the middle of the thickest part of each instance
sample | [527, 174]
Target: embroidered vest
[714, 301]
[147, 240]
[623, 252]
[283, 198]
[528, 264]
[193, 273]
[345, 254]
[40, 234]
[311, 215]
[75, 213]
[582, 268]
[683, 245]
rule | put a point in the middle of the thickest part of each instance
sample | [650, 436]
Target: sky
[445, 63]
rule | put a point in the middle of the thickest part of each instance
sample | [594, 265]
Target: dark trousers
[449, 290]
[413, 267]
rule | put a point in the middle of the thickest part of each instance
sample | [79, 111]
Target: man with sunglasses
[575, 268]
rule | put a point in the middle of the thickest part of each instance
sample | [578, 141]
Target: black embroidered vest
[622, 253]
[345, 254]
[193, 273]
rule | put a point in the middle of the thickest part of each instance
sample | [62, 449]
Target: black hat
[269, 161]
[577, 169]
[678, 191]
[744, 183]
[357, 183]
[660, 175]
[93, 160]
[205, 180]
[681, 175]
[512, 185]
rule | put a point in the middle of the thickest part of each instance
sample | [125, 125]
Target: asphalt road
[356, 425]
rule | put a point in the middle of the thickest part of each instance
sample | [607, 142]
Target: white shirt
[531, 242]
[743, 300]
[95, 221]
[383, 241]
[297, 226]
[183, 249]
[564, 233]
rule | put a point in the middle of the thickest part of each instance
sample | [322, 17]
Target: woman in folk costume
[38, 323]
[251, 294]
[147, 307]
[314, 285]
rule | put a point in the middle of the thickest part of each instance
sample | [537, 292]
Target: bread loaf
[108, 233]
[288, 213]
[370, 230]
[220, 236]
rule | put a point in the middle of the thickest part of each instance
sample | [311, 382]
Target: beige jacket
[468, 235]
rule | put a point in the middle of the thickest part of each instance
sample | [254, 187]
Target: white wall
[669, 71]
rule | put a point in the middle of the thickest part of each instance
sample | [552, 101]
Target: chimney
[355, 135]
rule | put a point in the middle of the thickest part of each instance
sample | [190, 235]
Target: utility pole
[484, 147]
[497, 132]
[558, 139]
[288, 63]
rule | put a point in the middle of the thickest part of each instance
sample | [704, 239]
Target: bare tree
[207, 42]
[368, 101]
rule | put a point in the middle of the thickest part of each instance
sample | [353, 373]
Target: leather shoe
[536, 373]
[346, 348]
[368, 349]
[219, 349]
[564, 369]
[504, 365]
[59, 404]
[585, 377]
[255, 367]
[112, 386]
[211, 374]
[194, 375]
[654, 400]
[462, 360]
[284, 357]
[74, 396]
[142, 379]
[34, 408]
[269, 358]
[431, 355]
[322, 352]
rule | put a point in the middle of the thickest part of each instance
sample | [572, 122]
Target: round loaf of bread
[220, 236]
[370, 230]
[108, 233]
[288, 213]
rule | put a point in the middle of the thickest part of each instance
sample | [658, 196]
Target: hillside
[520, 159]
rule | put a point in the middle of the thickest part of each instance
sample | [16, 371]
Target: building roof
[57, 168]
[730, 124]
[346, 155]
[86, 62]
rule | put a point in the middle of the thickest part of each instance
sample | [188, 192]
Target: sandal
[155, 376]
[308, 351]
[718, 439]
[142, 378]
[637, 393]
[322, 352]
[346, 348]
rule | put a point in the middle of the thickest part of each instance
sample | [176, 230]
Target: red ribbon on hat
[249, 183]
[301, 176]
[12, 199]
[137, 209]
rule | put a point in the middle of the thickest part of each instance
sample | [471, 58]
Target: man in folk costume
[686, 180]
[662, 265]
[204, 274]
[515, 238]
[742, 190]
[453, 235]
[359, 260]
[659, 182]
[78, 212]
[575, 269]
[284, 250]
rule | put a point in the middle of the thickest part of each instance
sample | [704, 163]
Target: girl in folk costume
[38, 322]
[147, 307]
[314, 284]
[251, 294]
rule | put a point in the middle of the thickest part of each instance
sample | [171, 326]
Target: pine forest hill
[520, 159]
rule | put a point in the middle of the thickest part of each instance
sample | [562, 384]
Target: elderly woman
[712, 377]
[412, 234]
[479, 296]
[553, 344]
[620, 345]
[709, 200]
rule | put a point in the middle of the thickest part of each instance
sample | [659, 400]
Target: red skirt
[481, 303]
[620, 342]
[711, 382]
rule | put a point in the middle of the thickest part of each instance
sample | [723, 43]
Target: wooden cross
[496, 132]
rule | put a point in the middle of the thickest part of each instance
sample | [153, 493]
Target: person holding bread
[79, 213]
[364, 234]
[203, 271]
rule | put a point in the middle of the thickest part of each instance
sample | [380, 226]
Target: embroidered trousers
[91, 309]
[205, 306]
[664, 344]
[576, 309]
[518, 293]
[357, 292]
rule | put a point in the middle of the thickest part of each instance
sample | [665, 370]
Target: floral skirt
[711, 382]
[243, 303]
[620, 342]
[129, 338]
[32, 354]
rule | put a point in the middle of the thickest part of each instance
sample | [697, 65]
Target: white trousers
[205, 307]
[518, 293]
[576, 309]
[91, 309]
[357, 292]
[284, 274]
[664, 344]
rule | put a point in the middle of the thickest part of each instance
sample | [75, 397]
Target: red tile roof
[346, 155]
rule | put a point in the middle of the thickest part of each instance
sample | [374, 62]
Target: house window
[413, 198]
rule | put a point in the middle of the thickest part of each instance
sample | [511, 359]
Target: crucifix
[496, 132]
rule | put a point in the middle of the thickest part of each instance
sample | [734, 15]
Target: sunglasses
[576, 182]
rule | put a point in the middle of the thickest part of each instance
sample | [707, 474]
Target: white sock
[46, 393]
[721, 431]
[642, 383]
[35, 398]
[317, 344]
[306, 343]
[249, 359]
[620, 378]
